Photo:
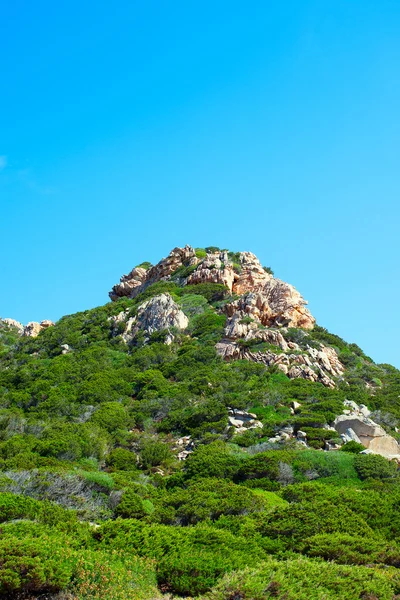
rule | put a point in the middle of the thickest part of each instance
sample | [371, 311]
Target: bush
[375, 466]
[209, 499]
[351, 549]
[353, 447]
[131, 506]
[121, 459]
[153, 453]
[33, 564]
[305, 579]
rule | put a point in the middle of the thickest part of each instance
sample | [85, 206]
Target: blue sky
[129, 128]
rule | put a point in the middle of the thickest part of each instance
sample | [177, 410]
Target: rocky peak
[269, 300]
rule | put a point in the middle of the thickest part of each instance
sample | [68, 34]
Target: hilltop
[202, 407]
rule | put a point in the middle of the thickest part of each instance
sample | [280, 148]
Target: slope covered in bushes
[124, 475]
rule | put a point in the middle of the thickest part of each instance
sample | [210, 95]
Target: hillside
[201, 409]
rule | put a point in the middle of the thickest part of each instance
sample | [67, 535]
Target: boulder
[156, 314]
[33, 328]
[371, 435]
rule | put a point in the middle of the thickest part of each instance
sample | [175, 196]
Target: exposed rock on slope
[157, 314]
[32, 329]
[266, 306]
[272, 301]
[304, 366]
[357, 426]
[13, 323]
[138, 279]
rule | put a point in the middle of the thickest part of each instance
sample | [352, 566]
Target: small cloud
[3, 162]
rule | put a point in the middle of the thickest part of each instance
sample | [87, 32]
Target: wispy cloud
[3, 162]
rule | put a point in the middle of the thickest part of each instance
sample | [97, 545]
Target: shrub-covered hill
[186, 439]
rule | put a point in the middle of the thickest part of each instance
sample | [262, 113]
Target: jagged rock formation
[314, 365]
[32, 329]
[265, 308]
[157, 314]
[139, 279]
[13, 323]
[274, 302]
[356, 425]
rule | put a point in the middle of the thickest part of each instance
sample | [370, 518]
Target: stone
[33, 328]
[275, 302]
[65, 349]
[364, 410]
[242, 420]
[156, 314]
[139, 279]
[301, 435]
[371, 435]
[215, 268]
[13, 323]
[352, 436]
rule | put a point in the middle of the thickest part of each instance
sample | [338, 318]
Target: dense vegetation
[94, 502]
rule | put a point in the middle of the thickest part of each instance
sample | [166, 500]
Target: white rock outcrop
[357, 427]
[243, 421]
[156, 314]
[13, 323]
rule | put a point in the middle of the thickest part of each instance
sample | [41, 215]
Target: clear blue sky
[128, 128]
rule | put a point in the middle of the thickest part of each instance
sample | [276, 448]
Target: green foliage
[305, 579]
[352, 549]
[91, 437]
[112, 416]
[201, 253]
[121, 459]
[353, 447]
[268, 270]
[212, 292]
[375, 467]
[33, 565]
[144, 265]
[131, 506]
[209, 499]
[153, 453]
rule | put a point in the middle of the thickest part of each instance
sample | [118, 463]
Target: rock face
[262, 312]
[274, 302]
[313, 366]
[32, 329]
[139, 279]
[357, 427]
[13, 323]
[157, 314]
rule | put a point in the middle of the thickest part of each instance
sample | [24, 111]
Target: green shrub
[112, 416]
[131, 506]
[121, 459]
[353, 447]
[33, 565]
[374, 466]
[305, 579]
[200, 253]
[208, 499]
[351, 549]
[153, 453]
